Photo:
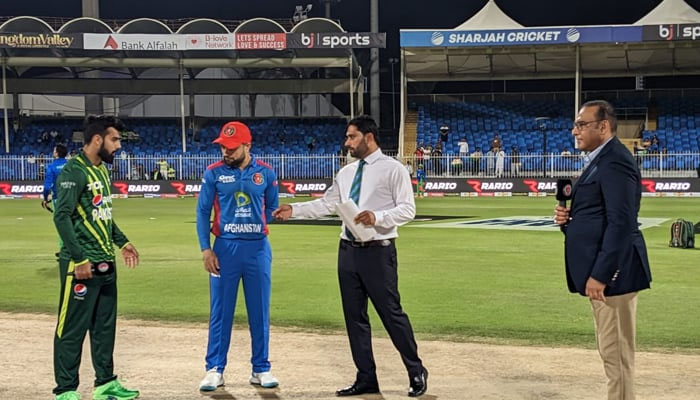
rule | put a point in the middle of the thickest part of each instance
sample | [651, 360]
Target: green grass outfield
[502, 286]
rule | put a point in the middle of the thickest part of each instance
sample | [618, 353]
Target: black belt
[371, 243]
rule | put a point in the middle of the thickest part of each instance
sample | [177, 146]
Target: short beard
[105, 155]
[235, 163]
[361, 150]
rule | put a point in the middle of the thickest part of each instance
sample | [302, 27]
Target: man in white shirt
[463, 148]
[381, 187]
[500, 162]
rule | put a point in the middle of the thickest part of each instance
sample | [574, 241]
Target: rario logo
[125, 188]
[293, 187]
[182, 188]
[652, 186]
[7, 189]
[441, 186]
[480, 186]
[537, 186]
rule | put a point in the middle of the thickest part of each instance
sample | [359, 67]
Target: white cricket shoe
[211, 381]
[264, 379]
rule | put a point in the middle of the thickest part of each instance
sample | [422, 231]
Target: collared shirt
[243, 201]
[588, 158]
[386, 190]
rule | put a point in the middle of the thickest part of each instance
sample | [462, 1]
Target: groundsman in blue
[88, 296]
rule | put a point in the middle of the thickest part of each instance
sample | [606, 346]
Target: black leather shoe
[357, 388]
[419, 384]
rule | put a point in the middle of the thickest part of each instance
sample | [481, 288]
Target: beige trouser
[615, 321]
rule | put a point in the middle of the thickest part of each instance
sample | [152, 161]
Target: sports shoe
[72, 395]
[114, 390]
[211, 381]
[264, 379]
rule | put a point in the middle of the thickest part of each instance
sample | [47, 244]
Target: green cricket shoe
[72, 395]
[114, 391]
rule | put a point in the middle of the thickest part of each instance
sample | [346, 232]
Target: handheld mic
[563, 191]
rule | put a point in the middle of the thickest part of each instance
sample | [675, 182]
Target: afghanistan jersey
[83, 215]
[243, 201]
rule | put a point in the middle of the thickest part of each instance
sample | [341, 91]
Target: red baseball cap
[233, 134]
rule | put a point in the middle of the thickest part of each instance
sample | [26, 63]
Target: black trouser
[85, 305]
[370, 272]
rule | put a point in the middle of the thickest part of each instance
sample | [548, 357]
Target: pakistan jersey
[83, 214]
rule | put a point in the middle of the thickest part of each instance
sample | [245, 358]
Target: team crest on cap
[230, 131]
[80, 289]
[103, 267]
[97, 200]
[258, 178]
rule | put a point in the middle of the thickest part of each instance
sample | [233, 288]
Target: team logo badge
[103, 267]
[80, 289]
[230, 131]
[97, 200]
[258, 178]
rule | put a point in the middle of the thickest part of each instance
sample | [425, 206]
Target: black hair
[365, 124]
[98, 124]
[605, 111]
[61, 150]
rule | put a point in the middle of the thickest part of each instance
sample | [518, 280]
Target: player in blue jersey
[52, 171]
[420, 181]
[243, 193]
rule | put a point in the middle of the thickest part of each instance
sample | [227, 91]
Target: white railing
[26, 168]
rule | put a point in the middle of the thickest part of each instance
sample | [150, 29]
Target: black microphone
[563, 191]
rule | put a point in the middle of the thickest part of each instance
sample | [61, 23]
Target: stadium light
[301, 13]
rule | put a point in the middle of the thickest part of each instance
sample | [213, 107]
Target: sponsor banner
[337, 40]
[515, 37]
[210, 41]
[465, 187]
[304, 186]
[230, 41]
[671, 32]
[134, 42]
[163, 188]
[261, 41]
[41, 40]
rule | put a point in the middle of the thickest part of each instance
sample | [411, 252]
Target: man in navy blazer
[606, 257]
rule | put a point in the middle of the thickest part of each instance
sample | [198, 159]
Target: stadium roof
[670, 12]
[492, 46]
[54, 70]
[489, 17]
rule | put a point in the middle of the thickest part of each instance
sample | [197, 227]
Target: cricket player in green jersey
[88, 296]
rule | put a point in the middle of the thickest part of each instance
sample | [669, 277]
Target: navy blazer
[603, 239]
